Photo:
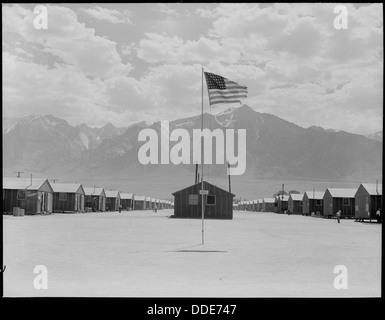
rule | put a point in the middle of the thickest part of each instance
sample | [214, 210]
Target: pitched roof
[205, 185]
[372, 188]
[296, 196]
[318, 195]
[111, 193]
[91, 191]
[67, 187]
[269, 200]
[342, 192]
[23, 183]
[285, 197]
[126, 195]
[139, 198]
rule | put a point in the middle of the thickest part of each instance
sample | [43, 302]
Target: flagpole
[203, 206]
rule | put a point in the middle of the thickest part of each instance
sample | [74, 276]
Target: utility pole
[202, 164]
[313, 200]
[196, 173]
[18, 173]
[228, 172]
[282, 197]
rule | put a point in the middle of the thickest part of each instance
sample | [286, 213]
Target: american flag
[222, 90]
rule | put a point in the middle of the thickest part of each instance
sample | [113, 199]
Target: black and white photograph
[192, 150]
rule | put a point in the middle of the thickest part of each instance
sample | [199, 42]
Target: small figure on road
[338, 214]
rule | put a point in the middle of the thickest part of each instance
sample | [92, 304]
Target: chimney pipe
[228, 173]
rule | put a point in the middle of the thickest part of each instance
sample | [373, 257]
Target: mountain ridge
[378, 135]
[275, 149]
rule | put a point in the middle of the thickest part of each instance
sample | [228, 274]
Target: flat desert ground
[143, 254]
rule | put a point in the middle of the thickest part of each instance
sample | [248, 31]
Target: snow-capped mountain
[275, 148]
[43, 142]
[375, 136]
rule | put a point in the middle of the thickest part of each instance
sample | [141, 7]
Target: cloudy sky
[124, 63]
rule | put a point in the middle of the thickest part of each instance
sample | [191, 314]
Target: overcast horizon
[125, 63]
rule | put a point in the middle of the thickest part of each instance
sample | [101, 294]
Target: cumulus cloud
[164, 8]
[162, 48]
[295, 64]
[244, 20]
[34, 88]
[67, 39]
[303, 41]
[205, 13]
[109, 15]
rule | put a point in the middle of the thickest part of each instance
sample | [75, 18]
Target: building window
[193, 199]
[62, 196]
[318, 202]
[300, 203]
[345, 201]
[107, 200]
[210, 200]
[21, 195]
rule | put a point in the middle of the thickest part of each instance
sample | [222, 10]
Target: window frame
[344, 203]
[21, 192]
[213, 196]
[193, 199]
[63, 196]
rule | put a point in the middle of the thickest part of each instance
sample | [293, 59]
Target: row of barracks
[38, 196]
[358, 203]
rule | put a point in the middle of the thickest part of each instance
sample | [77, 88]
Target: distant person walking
[338, 214]
[378, 215]
[155, 209]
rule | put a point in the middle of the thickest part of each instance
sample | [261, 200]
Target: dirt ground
[143, 254]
